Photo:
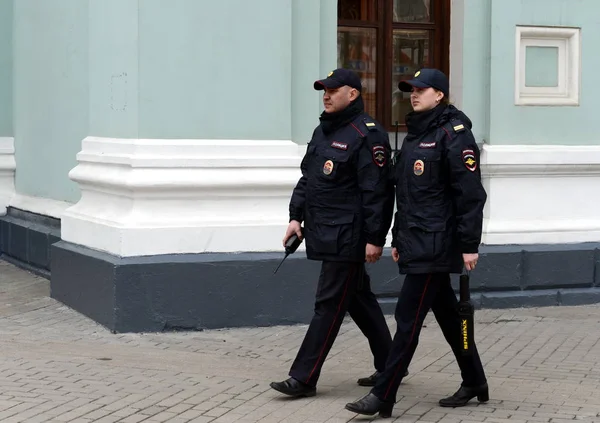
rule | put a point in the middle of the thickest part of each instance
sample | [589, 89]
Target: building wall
[539, 160]
[483, 71]
[189, 117]
[6, 13]
[50, 94]
[470, 62]
[106, 68]
[542, 125]
[216, 74]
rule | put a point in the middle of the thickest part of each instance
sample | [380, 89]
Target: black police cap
[339, 78]
[426, 78]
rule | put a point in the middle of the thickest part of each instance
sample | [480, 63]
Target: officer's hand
[373, 253]
[293, 228]
[395, 255]
[470, 260]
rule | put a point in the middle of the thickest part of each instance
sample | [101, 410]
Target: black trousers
[419, 294]
[343, 287]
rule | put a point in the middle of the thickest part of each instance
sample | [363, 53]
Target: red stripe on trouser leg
[412, 335]
[350, 275]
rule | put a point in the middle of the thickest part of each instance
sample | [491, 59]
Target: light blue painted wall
[50, 94]
[113, 68]
[215, 70]
[476, 65]
[6, 12]
[128, 69]
[314, 50]
[510, 124]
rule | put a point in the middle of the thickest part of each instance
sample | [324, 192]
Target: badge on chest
[328, 167]
[419, 167]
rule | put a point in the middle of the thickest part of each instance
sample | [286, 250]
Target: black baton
[466, 312]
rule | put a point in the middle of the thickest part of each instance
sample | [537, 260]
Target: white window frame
[568, 42]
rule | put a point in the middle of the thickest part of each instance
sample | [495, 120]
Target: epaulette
[457, 125]
[371, 126]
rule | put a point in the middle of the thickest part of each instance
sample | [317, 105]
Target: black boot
[370, 381]
[294, 388]
[369, 405]
[465, 394]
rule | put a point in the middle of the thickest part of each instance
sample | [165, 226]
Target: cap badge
[330, 73]
[417, 74]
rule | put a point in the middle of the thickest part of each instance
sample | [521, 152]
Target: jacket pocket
[425, 168]
[425, 242]
[332, 235]
[330, 161]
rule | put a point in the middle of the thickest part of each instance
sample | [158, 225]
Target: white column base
[147, 197]
[7, 172]
[541, 194]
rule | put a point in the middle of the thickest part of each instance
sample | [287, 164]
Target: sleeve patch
[469, 159]
[379, 155]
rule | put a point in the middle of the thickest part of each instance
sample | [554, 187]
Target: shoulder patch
[379, 155]
[468, 156]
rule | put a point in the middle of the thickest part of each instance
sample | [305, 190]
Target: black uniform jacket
[345, 197]
[439, 195]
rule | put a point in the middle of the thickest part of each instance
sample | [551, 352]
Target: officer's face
[423, 99]
[336, 99]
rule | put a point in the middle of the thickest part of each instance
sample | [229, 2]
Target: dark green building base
[201, 291]
[26, 239]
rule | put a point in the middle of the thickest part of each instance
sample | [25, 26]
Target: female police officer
[437, 230]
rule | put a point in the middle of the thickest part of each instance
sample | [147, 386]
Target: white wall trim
[507, 161]
[7, 172]
[567, 41]
[147, 197]
[39, 205]
[541, 194]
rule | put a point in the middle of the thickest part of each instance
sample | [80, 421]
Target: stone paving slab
[543, 365]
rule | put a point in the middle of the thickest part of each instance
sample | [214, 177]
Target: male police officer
[346, 201]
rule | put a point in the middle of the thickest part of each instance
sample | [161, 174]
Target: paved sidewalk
[543, 365]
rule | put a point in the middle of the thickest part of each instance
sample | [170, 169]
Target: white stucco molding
[541, 194]
[7, 172]
[149, 196]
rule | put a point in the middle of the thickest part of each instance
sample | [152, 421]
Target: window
[386, 41]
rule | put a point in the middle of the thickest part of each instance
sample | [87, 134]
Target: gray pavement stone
[543, 365]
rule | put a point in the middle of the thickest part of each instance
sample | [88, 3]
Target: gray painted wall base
[198, 291]
[25, 240]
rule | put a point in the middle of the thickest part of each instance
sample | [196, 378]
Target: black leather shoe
[369, 405]
[465, 394]
[371, 380]
[294, 388]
